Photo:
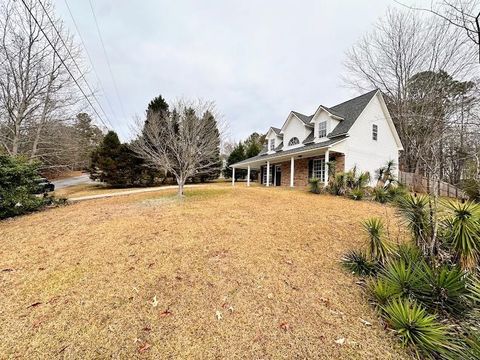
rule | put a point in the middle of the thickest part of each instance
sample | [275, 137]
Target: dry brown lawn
[225, 273]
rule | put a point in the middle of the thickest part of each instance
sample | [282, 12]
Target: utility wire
[90, 59]
[107, 60]
[73, 59]
[63, 62]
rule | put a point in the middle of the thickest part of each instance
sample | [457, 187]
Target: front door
[278, 175]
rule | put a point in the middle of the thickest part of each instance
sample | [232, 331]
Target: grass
[223, 273]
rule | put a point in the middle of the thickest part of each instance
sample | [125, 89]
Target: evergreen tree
[237, 154]
[212, 172]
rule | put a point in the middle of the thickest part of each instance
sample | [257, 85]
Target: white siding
[323, 116]
[364, 152]
[294, 128]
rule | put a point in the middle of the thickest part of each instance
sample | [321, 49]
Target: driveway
[76, 180]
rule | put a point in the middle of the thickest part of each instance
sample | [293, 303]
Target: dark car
[44, 186]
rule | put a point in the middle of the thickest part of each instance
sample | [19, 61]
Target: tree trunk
[181, 184]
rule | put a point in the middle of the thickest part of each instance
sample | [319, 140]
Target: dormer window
[271, 147]
[322, 129]
[293, 141]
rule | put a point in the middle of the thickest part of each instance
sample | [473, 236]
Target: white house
[358, 132]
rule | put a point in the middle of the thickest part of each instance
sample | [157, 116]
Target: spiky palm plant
[418, 329]
[358, 263]
[378, 246]
[409, 253]
[381, 291]
[444, 289]
[315, 185]
[463, 232]
[403, 278]
[415, 212]
[380, 195]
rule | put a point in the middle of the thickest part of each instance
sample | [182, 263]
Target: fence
[422, 184]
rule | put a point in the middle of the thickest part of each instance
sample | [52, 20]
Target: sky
[257, 60]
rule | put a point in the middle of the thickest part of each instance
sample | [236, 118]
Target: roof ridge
[356, 97]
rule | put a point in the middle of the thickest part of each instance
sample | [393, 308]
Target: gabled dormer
[273, 139]
[295, 130]
[324, 121]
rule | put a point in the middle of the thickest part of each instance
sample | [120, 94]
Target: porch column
[233, 176]
[327, 159]
[268, 173]
[248, 175]
[292, 170]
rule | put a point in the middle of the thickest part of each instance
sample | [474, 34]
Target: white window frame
[374, 132]
[265, 174]
[318, 169]
[322, 129]
[271, 145]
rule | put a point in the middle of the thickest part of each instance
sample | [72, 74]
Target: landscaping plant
[315, 185]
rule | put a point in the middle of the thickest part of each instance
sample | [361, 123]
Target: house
[358, 132]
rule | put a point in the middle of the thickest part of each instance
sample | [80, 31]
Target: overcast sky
[256, 59]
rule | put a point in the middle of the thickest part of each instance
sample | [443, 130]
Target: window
[293, 141]
[318, 169]
[375, 132]
[272, 144]
[322, 129]
[265, 175]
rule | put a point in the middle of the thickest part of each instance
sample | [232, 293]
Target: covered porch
[293, 169]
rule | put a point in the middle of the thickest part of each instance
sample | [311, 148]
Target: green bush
[18, 184]
[358, 263]
[381, 291]
[315, 185]
[417, 328]
[357, 194]
[403, 278]
[415, 212]
[380, 195]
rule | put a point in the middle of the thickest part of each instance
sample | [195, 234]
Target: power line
[63, 63]
[78, 67]
[107, 60]
[90, 59]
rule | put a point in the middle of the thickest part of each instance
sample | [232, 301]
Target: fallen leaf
[340, 341]
[289, 262]
[34, 304]
[135, 289]
[365, 322]
[218, 314]
[144, 347]
[7, 270]
[155, 301]
[270, 296]
[165, 313]
[231, 309]
[325, 301]
[285, 326]
[147, 328]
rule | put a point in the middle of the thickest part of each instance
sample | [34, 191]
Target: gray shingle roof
[350, 110]
[306, 119]
[265, 157]
[277, 130]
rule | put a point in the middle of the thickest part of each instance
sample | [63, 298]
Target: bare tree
[36, 90]
[184, 141]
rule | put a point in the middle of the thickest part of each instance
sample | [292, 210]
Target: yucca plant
[444, 289]
[381, 291]
[403, 278]
[315, 185]
[397, 191]
[417, 329]
[380, 195]
[357, 194]
[415, 212]
[463, 232]
[336, 185]
[409, 253]
[357, 262]
[378, 246]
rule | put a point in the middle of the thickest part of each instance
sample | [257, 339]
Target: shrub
[358, 263]
[315, 185]
[409, 253]
[471, 187]
[18, 185]
[417, 328]
[357, 194]
[378, 247]
[463, 232]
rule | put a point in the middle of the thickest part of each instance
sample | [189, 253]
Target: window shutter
[310, 168]
[261, 175]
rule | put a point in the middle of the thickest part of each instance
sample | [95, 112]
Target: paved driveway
[76, 180]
